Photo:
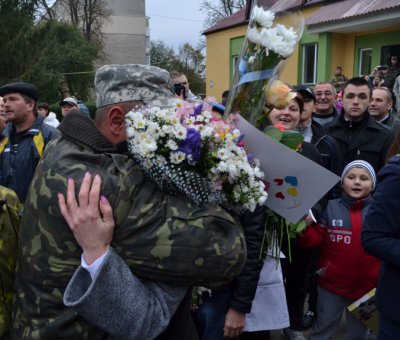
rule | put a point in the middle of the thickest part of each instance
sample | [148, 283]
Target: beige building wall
[125, 34]
[218, 60]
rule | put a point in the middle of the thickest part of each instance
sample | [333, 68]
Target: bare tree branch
[218, 10]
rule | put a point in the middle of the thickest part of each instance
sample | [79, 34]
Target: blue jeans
[211, 314]
[388, 329]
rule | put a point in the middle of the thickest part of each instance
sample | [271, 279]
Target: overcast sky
[175, 22]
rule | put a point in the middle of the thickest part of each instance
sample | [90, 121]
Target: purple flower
[191, 146]
[198, 109]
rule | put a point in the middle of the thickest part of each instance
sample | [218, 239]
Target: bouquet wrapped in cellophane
[188, 149]
[256, 91]
[267, 45]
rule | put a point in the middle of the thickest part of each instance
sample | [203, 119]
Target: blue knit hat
[360, 164]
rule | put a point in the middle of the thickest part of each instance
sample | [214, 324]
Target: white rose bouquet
[265, 47]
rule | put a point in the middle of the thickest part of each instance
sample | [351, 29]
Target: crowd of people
[79, 206]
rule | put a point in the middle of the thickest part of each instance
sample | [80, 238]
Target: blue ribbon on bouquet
[253, 76]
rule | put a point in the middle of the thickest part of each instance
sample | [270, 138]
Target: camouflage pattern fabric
[10, 209]
[133, 82]
[160, 237]
[338, 81]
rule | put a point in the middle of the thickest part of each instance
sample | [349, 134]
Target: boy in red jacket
[345, 271]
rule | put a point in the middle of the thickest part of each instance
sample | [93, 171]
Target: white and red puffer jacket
[344, 267]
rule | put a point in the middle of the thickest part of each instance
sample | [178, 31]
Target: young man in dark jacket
[358, 135]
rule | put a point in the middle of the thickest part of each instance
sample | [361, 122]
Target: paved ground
[340, 335]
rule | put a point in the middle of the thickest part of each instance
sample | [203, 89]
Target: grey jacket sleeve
[121, 304]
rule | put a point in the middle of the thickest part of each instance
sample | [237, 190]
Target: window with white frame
[235, 60]
[309, 67]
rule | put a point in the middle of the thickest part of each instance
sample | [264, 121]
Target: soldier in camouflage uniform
[10, 209]
[338, 79]
[160, 237]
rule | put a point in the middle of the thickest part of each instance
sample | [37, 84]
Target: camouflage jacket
[160, 237]
[10, 209]
[338, 81]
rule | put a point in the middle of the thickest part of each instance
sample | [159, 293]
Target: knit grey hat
[360, 164]
[133, 82]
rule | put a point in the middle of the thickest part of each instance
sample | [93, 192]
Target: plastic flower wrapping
[187, 149]
[266, 47]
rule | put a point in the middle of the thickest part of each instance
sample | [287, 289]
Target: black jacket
[381, 237]
[330, 154]
[365, 139]
[245, 285]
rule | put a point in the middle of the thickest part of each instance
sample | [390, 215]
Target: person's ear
[116, 120]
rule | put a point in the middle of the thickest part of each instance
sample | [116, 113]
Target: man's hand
[90, 219]
[234, 323]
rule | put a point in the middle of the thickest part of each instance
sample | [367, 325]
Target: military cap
[26, 89]
[133, 82]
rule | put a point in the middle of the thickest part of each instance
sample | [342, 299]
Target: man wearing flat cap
[24, 137]
[129, 282]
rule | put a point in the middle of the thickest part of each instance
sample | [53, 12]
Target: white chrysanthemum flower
[132, 115]
[172, 145]
[174, 120]
[233, 171]
[289, 40]
[214, 170]
[222, 167]
[199, 118]
[161, 159]
[270, 38]
[207, 114]
[147, 163]
[179, 132]
[254, 36]
[223, 154]
[139, 123]
[258, 173]
[262, 17]
[149, 145]
[155, 130]
[177, 157]
[207, 131]
[190, 120]
[167, 129]
[251, 60]
[130, 132]
[236, 133]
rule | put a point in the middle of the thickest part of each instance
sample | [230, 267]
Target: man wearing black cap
[315, 134]
[24, 138]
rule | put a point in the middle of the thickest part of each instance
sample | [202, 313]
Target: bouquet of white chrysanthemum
[188, 149]
[265, 47]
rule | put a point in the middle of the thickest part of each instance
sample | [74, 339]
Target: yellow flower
[279, 94]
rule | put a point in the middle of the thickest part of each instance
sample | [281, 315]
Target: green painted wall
[324, 43]
[324, 56]
[235, 47]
